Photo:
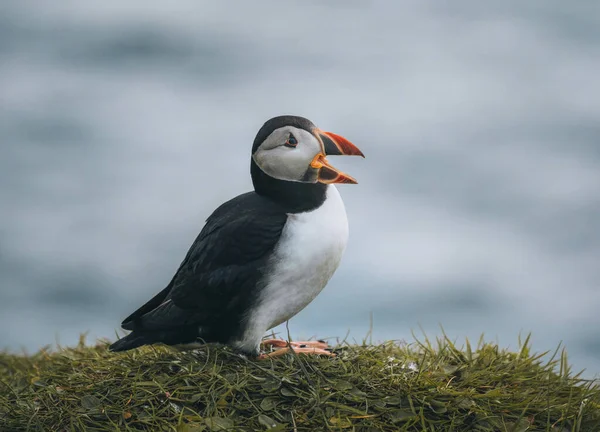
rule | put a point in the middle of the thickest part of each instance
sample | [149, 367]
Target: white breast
[305, 258]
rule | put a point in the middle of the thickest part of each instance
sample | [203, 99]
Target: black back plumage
[217, 281]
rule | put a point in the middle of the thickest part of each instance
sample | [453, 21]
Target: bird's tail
[132, 340]
[175, 336]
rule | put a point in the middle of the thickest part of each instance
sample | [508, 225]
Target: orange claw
[302, 347]
[307, 350]
[279, 343]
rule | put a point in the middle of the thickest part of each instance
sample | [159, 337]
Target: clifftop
[416, 387]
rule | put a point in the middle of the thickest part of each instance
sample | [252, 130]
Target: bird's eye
[291, 141]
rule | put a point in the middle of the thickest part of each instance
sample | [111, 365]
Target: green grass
[390, 387]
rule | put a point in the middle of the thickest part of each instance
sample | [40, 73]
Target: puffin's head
[293, 149]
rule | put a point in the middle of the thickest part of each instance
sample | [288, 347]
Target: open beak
[333, 144]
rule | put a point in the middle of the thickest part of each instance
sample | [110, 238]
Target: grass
[421, 386]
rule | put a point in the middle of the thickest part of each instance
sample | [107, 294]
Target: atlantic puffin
[262, 256]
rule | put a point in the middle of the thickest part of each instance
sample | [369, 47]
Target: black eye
[291, 141]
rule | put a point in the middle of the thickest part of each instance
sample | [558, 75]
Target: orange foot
[300, 347]
[279, 343]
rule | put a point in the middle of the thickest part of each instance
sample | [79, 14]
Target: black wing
[217, 278]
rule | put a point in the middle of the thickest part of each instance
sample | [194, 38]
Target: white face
[278, 157]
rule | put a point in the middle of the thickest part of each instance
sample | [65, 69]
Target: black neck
[294, 197]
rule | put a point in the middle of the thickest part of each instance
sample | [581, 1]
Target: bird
[262, 256]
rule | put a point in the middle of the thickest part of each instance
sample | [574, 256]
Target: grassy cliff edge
[421, 386]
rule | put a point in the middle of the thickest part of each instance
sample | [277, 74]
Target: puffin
[262, 256]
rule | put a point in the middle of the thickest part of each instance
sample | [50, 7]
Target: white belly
[305, 258]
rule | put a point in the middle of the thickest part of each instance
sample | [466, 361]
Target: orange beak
[333, 144]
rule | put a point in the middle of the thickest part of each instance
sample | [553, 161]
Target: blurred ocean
[124, 124]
